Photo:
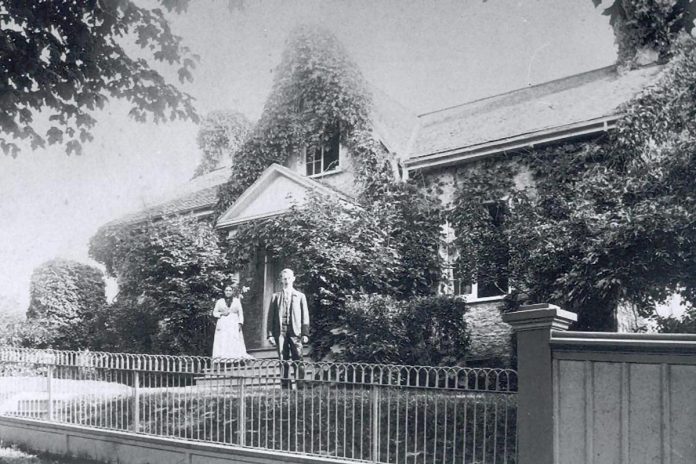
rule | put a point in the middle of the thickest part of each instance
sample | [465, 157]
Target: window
[325, 158]
[452, 283]
[492, 282]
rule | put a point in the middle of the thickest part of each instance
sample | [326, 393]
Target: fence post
[241, 412]
[535, 423]
[136, 401]
[49, 389]
[374, 399]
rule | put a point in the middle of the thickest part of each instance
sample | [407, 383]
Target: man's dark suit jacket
[299, 315]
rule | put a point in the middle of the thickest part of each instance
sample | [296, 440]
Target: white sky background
[426, 54]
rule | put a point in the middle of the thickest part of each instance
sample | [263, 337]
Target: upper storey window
[324, 158]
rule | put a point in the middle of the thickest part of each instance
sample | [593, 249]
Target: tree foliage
[684, 324]
[67, 59]
[66, 298]
[412, 217]
[220, 135]
[611, 220]
[648, 25]
[169, 275]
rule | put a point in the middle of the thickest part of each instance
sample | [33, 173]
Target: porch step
[271, 352]
[252, 374]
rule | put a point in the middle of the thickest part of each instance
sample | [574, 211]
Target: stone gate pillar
[535, 428]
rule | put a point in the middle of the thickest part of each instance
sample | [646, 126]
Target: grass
[413, 427]
[16, 455]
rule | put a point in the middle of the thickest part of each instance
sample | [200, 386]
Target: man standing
[288, 325]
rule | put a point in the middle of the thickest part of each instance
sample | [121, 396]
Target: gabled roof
[582, 104]
[569, 103]
[392, 122]
[275, 191]
[197, 195]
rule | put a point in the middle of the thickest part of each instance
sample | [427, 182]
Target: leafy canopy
[67, 59]
[220, 135]
[648, 25]
[169, 275]
[66, 298]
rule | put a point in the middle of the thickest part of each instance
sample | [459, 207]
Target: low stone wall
[128, 448]
[490, 337]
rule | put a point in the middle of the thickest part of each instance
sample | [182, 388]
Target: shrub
[66, 297]
[671, 324]
[427, 330]
[169, 274]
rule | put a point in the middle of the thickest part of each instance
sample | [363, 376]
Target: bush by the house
[424, 331]
[66, 298]
[169, 275]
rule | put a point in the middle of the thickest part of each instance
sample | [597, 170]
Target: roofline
[305, 181]
[520, 89]
[234, 222]
[517, 142]
[197, 211]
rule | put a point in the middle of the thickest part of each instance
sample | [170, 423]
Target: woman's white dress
[229, 340]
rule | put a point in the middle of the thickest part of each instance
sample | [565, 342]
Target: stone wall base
[490, 338]
[129, 448]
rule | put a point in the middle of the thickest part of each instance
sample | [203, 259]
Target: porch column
[535, 427]
[268, 277]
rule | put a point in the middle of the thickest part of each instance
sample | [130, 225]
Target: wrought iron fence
[367, 412]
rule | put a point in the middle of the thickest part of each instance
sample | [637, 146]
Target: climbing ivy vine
[317, 91]
[648, 25]
[606, 221]
[384, 241]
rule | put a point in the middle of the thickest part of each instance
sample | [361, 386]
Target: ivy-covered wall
[317, 90]
[605, 222]
[500, 171]
[460, 189]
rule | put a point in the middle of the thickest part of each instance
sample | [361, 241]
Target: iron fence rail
[366, 412]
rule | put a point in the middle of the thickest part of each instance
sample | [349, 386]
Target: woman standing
[229, 339]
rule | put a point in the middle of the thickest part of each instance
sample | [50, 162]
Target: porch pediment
[275, 191]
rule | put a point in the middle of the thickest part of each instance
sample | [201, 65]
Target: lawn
[391, 424]
[14, 455]
[411, 426]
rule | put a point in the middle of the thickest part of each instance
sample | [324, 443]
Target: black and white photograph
[347, 231]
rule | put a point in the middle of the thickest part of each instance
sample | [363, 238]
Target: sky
[426, 54]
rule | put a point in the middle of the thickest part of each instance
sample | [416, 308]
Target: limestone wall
[490, 337]
[450, 177]
[124, 447]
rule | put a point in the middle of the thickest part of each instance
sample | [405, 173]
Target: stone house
[441, 145]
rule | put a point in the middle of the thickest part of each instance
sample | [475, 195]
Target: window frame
[323, 150]
[449, 238]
